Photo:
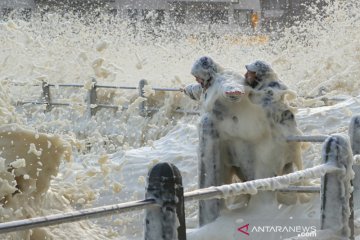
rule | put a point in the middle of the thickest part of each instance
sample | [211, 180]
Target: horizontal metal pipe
[335, 99]
[25, 84]
[304, 189]
[68, 104]
[74, 216]
[42, 103]
[155, 88]
[167, 89]
[113, 87]
[60, 104]
[30, 102]
[178, 111]
[214, 192]
[116, 87]
[309, 138]
[200, 194]
[66, 85]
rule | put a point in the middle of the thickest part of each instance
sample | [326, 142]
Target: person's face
[250, 78]
[200, 81]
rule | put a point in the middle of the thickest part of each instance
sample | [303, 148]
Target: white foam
[60, 50]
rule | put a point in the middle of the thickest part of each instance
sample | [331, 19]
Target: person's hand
[233, 94]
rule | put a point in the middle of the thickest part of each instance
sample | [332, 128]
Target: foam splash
[310, 56]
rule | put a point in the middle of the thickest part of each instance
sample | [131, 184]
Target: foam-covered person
[265, 84]
[269, 92]
[207, 74]
[260, 75]
[242, 131]
[231, 131]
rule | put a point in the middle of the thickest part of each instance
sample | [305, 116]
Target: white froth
[112, 152]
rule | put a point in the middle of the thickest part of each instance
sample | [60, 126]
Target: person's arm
[277, 85]
[194, 91]
[232, 91]
[280, 91]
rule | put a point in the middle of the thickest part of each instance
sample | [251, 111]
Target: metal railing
[98, 212]
[164, 191]
[94, 106]
[165, 186]
[92, 101]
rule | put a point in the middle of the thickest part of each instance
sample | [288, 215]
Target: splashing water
[113, 151]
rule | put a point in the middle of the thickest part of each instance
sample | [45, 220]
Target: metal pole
[303, 189]
[46, 95]
[92, 98]
[60, 218]
[354, 133]
[142, 105]
[167, 221]
[265, 184]
[336, 187]
[117, 87]
[304, 138]
[351, 202]
[167, 89]
[67, 85]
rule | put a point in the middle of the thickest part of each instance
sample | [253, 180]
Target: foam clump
[25, 174]
[27, 153]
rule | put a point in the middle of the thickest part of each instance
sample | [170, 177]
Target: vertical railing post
[354, 133]
[336, 186]
[142, 105]
[166, 222]
[209, 168]
[46, 95]
[93, 98]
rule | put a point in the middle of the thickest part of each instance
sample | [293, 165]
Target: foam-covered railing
[354, 134]
[336, 187]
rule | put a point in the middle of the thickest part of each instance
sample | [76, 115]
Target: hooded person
[263, 80]
[205, 71]
[260, 75]
[269, 92]
[208, 73]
